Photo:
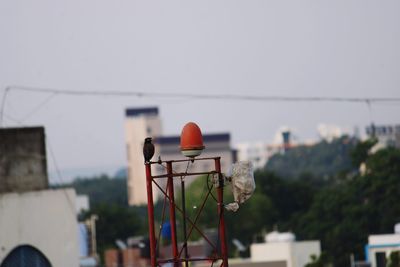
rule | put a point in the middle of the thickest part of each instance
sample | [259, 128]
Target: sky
[304, 48]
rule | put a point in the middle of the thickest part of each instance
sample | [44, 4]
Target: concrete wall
[385, 243]
[22, 160]
[271, 252]
[45, 220]
[302, 251]
[295, 254]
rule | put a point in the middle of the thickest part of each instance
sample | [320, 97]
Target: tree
[321, 160]
[359, 153]
[115, 222]
[344, 215]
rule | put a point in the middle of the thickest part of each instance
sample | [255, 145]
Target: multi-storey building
[145, 122]
[139, 124]
[258, 153]
[387, 135]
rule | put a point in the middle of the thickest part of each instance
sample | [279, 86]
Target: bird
[148, 149]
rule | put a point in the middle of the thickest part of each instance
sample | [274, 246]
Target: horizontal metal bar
[188, 259]
[183, 174]
[182, 160]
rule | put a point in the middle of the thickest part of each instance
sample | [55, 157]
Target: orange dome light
[191, 140]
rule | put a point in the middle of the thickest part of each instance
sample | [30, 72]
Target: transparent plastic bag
[242, 182]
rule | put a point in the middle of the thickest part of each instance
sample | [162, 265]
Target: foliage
[102, 189]
[339, 212]
[266, 209]
[359, 154]
[322, 160]
[321, 261]
[394, 259]
[344, 215]
[115, 222]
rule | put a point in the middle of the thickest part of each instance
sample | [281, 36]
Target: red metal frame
[168, 194]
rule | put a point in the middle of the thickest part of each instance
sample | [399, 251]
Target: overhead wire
[205, 96]
[38, 107]
[191, 96]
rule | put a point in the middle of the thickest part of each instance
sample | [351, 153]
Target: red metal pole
[172, 219]
[220, 196]
[150, 214]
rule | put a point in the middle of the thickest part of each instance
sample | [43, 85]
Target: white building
[380, 246]
[329, 132]
[258, 153]
[282, 249]
[387, 135]
[82, 203]
[41, 226]
[145, 122]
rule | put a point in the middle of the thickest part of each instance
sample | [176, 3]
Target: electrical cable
[38, 107]
[205, 96]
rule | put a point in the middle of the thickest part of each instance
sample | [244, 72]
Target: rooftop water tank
[280, 237]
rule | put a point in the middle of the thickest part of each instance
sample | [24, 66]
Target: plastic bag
[243, 184]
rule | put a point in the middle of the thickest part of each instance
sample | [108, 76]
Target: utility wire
[205, 96]
[233, 97]
[38, 107]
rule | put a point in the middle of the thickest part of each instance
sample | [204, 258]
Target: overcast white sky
[289, 48]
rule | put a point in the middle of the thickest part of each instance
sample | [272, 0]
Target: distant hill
[320, 160]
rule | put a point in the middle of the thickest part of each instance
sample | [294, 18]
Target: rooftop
[134, 112]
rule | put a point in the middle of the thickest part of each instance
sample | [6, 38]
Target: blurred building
[329, 132]
[215, 145]
[258, 153]
[145, 122]
[39, 227]
[379, 247]
[139, 124]
[22, 159]
[82, 203]
[387, 135]
[281, 249]
[278, 250]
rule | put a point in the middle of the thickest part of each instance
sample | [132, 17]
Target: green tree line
[340, 208]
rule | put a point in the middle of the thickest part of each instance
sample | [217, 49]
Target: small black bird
[148, 150]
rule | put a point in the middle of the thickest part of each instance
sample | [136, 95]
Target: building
[139, 124]
[379, 247]
[145, 122]
[23, 164]
[215, 145]
[258, 153]
[42, 226]
[387, 135]
[281, 249]
[38, 226]
[82, 203]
